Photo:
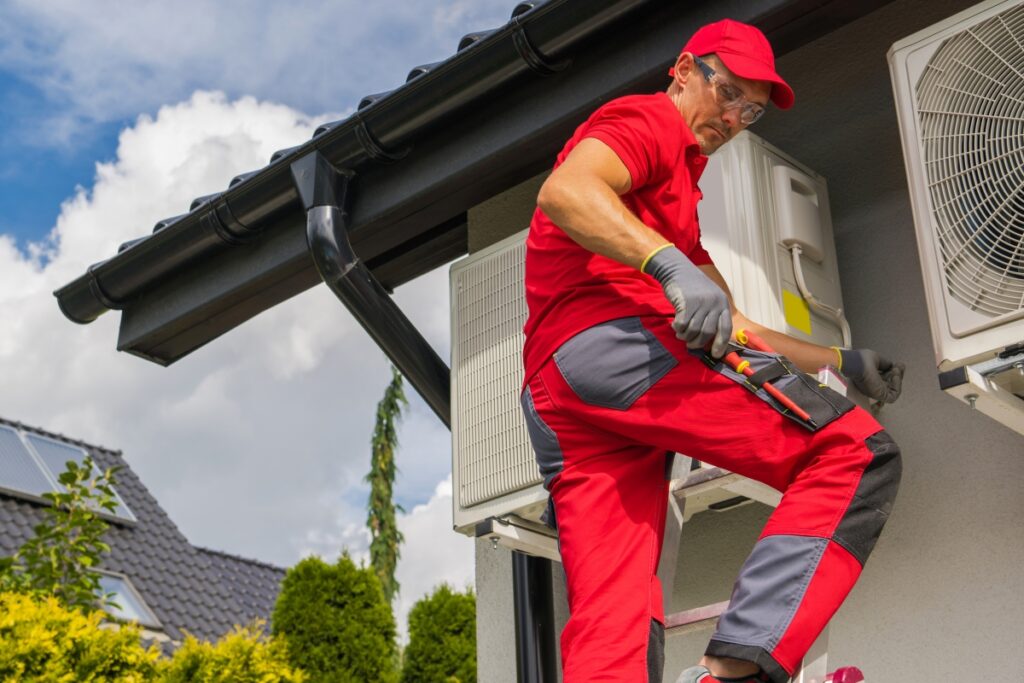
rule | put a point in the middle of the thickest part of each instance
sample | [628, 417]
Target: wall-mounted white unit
[959, 92]
[494, 475]
[757, 203]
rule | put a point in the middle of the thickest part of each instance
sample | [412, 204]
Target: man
[628, 323]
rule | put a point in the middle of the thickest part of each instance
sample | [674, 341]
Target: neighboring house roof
[201, 591]
[254, 585]
[456, 133]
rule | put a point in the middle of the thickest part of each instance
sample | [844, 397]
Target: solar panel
[56, 456]
[18, 469]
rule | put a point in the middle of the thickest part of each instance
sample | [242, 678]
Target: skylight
[130, 605]
[30, 465]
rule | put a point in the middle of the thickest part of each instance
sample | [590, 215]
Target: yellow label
[798, 314]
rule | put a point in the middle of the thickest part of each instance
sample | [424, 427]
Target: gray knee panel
[871, 504]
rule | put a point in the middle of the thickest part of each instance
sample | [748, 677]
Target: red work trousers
[604, 413]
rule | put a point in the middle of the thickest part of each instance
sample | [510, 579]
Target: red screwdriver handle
[751, 340]
[743, 367]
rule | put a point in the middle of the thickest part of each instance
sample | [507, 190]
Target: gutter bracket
[324, 191]
[97, 290]
[531, 55]
[374, 150]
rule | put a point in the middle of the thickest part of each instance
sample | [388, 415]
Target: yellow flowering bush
[239, 657]
[41, 640]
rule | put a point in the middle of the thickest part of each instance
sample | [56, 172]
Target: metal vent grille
[493, 453]
[971, 108]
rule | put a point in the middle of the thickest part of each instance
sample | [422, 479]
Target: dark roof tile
[370, 99]
[473, 38]
[422, 69]
[205, 199]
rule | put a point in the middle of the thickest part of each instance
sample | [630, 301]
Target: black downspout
[324, 191]
[535, 618]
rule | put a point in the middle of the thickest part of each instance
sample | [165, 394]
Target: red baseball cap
[745, 50]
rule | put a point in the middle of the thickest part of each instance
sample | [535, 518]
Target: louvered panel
[493, 454]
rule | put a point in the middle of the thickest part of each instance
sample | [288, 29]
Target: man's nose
[731, 118]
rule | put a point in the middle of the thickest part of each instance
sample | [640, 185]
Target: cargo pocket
[612, 364]
[819, 401]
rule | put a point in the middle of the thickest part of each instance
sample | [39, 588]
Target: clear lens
[730, 97]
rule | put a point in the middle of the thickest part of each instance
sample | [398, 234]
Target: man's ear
[683, 68]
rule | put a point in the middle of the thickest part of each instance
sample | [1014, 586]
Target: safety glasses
[729, 96]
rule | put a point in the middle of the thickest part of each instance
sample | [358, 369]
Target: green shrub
[337, 624]
[241, 656]
[41, 640]
[442, 639]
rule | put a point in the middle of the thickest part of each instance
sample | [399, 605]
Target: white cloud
[106, 61]
[257, 443]
[432, 554]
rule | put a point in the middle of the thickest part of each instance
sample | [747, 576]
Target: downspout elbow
[324, 190]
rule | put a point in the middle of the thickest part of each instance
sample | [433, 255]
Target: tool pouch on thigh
[819, 401]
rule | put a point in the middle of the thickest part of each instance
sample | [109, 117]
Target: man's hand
[875, 376]
[702, 309]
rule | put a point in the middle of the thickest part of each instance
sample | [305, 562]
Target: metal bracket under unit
[517, 534]
[994, 387]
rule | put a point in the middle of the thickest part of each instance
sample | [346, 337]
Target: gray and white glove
[702, 309]
[874, 376]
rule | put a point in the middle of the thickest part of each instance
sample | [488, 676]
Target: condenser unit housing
[959, 93]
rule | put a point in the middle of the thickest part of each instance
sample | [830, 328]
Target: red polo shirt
[568, 288]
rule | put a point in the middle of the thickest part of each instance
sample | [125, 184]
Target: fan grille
[971, 108]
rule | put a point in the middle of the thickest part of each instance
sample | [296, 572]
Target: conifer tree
[385, 538]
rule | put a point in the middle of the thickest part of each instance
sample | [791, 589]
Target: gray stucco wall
[943, 590]
[942, 593]
[503, 215]
[495, 624]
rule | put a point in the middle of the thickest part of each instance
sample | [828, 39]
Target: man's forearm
[807, 356]
[595, 218]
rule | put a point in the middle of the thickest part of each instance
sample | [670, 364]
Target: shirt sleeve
[636, 134]
[699, 256]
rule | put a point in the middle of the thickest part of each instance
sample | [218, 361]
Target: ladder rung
[700, 476]
[694, 618]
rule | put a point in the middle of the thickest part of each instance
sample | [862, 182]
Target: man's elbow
[552, 197]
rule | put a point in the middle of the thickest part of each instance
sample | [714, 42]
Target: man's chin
[708, 147]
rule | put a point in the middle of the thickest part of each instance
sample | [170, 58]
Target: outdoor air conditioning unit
[496, 485]
[959, 90]
[765, 220]
[759, 206]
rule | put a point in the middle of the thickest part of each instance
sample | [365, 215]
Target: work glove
[702, 309]
[874, 376]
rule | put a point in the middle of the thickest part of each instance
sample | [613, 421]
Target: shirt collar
[695, 160]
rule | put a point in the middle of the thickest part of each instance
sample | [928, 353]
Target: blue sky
[35, 177]
[116, 115]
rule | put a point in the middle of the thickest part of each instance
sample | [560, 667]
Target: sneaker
[847, 674]
[700, 674]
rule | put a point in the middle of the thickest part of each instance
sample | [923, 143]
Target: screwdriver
[743, 367]
[751, 340]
